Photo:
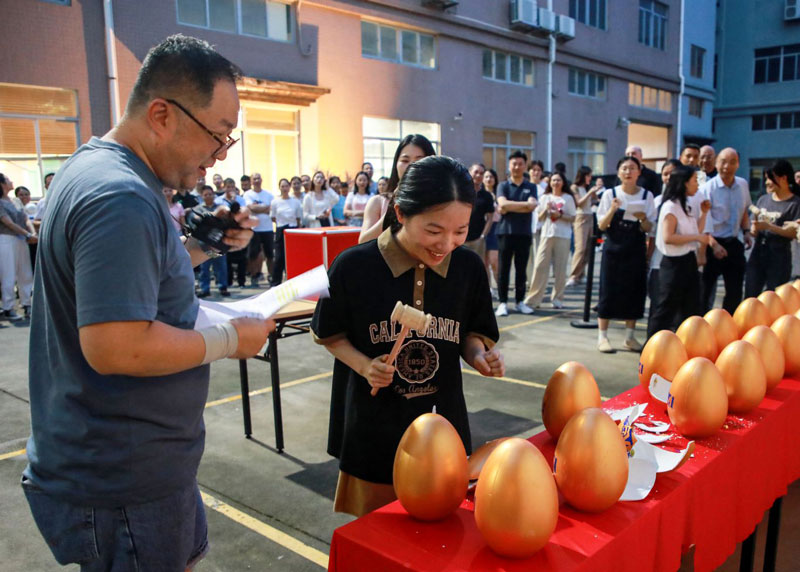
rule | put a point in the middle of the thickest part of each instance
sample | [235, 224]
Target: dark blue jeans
[165, 535]
[220, 272]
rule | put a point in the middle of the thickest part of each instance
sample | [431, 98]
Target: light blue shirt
[728, 205]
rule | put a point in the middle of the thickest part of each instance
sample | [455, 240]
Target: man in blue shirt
[516, 200]
[118, 374]
[727, 221]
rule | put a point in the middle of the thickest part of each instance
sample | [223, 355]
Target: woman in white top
[357, 200]
[677, 238]
[585, 195]
[556, 213]
[411, 149]
[626, 214]
[318, 203]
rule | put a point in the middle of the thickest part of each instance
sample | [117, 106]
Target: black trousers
[280, 257]
[516, 247]
[678, 293]
[237, 261]
[732, 269]
[770, 265]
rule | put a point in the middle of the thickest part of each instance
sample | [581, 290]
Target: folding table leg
[276, 390]
[748, 553]
[773, 528]
[248, 429]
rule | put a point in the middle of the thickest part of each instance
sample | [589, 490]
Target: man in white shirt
[286, 212]
[727, 221]
[259, 202]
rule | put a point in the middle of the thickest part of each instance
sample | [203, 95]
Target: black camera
[210, 229]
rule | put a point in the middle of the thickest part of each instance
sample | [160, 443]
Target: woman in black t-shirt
[417, 261]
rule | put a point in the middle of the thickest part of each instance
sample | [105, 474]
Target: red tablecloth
[713, 501]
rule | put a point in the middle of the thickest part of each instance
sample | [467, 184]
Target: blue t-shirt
[108, 252]
[511, 222]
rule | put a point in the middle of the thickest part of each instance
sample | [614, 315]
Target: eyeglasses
[223, 145]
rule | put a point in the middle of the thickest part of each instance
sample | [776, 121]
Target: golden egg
[516, 500]
[751, 313]
[478, 458]
[663, 354]
[770, 348]
[725, 330]
[571, 388]
[698, 338]
[430, 468]
[788, 330]
[790, 297]
[774, 304]
[698, 400]
[591, 462]
[743, 372]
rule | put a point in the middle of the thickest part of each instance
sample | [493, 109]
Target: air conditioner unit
[792, 10]
[547, 20]
[440, 4]
[523, 15]
[565, 27]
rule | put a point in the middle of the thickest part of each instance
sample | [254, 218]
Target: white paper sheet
[633, 207]
[659, 387]
[653, 438]
[641, 479]
[311, 283]
[621, 414]
[656, 427]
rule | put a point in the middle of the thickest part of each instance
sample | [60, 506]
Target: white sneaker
[502, 310]
[605, 346]
[558, 304]
[523, 308]
[571, 282]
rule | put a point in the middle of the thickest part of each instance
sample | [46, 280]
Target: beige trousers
[582, 227]
[552, 251]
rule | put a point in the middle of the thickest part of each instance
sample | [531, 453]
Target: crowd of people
[119, 371]
[301, 202]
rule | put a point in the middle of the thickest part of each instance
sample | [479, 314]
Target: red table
[715, 500]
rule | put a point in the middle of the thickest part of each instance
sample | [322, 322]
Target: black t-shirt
[785, 211]
[484, 204]
[516, 223]
[650, 180]
[365, 283]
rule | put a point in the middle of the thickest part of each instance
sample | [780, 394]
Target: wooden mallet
[410, 319]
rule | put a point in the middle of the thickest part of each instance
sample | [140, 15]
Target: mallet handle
[393, 355]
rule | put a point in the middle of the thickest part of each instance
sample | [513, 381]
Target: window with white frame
[39, 130]
[586, 84]
[781, 63]
[381, 137]
[650, 97]
[698, 57]
[589, 12]
[508, 68]
[695, 106]
[258, 18]
[590, 152]
[498, 144]
[653, 23]
[397, 45]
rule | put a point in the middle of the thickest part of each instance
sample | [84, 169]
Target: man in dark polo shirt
[516, 200]
[481, 218]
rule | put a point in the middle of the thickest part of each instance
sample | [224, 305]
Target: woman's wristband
[221, 340]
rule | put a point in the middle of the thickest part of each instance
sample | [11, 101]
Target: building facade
[699, 50]
[331, 83]
[758, 84]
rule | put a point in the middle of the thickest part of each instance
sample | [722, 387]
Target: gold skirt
[358, 497]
